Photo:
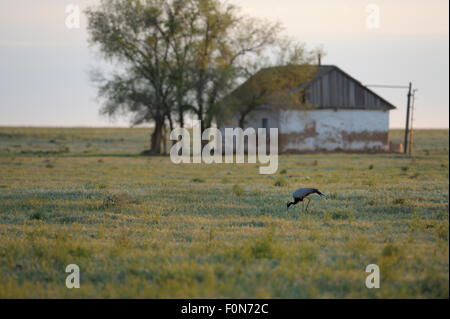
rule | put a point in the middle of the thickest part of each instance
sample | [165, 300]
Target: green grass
[144, 227]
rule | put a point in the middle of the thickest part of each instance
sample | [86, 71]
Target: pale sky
[44, 66]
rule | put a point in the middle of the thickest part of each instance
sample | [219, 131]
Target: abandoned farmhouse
[335, 113]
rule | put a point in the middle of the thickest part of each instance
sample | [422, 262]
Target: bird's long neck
[290, 204]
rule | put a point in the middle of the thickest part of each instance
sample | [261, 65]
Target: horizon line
[145, 127]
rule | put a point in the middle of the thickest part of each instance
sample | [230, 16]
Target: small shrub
[371, 167]
[369, 183]
[442, 231]
[390, 250]
[415, 222]
[280, 182]
[64, 149]
[283, 171]
[308, 253]
[391, 256]
[238, 190]
[198, 180]
[122, 239]
[399, 201]
[116, 200]
[263, 247]
[102, 186]
[49, 165]
[211, 235]
[405, 168]
[37, 215]
[156, 217]
[80, 251]
[414, 176]
[341, 214]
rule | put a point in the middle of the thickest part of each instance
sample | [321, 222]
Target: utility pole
[411, 135]
[408, 106]
[407, 118]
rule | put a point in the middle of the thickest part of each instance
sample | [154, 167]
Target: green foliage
[263, 247]
[172, 57]
[37, 215]
[273, 84]
[238, 190]
[280, 182]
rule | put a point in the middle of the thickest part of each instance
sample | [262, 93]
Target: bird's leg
[303, 206]
[309, 201]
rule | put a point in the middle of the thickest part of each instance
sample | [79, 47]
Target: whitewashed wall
[331, 130]
[326, 130]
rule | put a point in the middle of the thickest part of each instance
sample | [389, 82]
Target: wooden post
[407, 119]
[411, 135]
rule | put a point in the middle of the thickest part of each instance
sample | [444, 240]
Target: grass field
[144, 227]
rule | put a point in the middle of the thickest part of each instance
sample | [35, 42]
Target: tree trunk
[243, 117]
[156, 138]
[171, 128]
[181, 117]
[242, 121]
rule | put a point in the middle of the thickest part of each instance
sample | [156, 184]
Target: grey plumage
[302, 193]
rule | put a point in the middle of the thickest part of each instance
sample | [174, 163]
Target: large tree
[174, 57]
[148, 46]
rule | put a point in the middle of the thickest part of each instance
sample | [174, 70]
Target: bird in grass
[301, 194]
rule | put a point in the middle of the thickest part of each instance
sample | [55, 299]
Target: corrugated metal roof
[329, 87]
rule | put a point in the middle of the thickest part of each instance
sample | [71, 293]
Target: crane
[301, 194]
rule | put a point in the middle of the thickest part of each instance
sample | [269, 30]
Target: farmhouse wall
[330, 130]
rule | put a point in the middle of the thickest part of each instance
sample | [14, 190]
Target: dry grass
[144, 227]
